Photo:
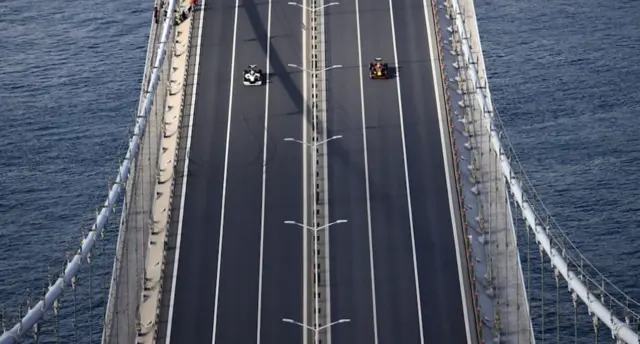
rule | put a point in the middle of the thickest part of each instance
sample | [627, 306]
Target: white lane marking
[366, 178]
[226, 170]
[264, 173]
[406, 174]
[185, 174]
[446, 157]
[305, 180]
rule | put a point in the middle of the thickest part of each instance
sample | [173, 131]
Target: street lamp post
[315, 125]
[313, 71]
[314, 146]
[314, 8]
[314, 150]
[316, 329]
[315, 229]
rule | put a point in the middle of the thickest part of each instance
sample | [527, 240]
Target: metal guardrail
[68, 277]
[562, 263]
[110, 308]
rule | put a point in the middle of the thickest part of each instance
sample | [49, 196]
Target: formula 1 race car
[378, 69]
[252, 76]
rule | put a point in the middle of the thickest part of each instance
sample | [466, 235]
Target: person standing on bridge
[155, 14]
[164, 8]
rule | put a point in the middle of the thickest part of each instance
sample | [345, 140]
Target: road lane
[436, 254]
[397, 304]
[282, 258]
[397, 308]
[350, 264]
[240, 262]
[239, 270]
[194, 295]
[238, 282]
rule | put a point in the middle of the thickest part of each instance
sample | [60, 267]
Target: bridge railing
[151, 297]
[582, 277]
[489, 236]
[129, 190]
[69, 276]
[476, 316]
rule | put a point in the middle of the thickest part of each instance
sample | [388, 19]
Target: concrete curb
[149, 307]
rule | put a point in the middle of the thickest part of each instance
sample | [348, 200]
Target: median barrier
[151, 297]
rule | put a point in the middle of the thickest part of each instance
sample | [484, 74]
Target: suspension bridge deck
[494, 249]
[478, 152]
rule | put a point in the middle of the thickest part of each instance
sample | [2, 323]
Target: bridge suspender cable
[35, 314]
[619, 330]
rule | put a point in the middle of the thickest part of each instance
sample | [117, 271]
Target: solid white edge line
[446, 157]
[305, 180]
[264, 174]
[406, 174]
[366, 178]
[226, 170]
[185, 174]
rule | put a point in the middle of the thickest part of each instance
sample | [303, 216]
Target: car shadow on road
[392, 72]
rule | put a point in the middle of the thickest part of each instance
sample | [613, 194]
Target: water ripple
[70, 74]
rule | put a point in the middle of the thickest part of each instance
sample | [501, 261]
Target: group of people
[180, 15]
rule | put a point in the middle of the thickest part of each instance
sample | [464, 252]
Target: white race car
[252, 76]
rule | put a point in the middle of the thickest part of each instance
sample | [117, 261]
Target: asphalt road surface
[239, 294]
[393, 266]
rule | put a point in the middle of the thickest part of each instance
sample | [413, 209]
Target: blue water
[70, 75]
[564, 77]
[562, 74]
